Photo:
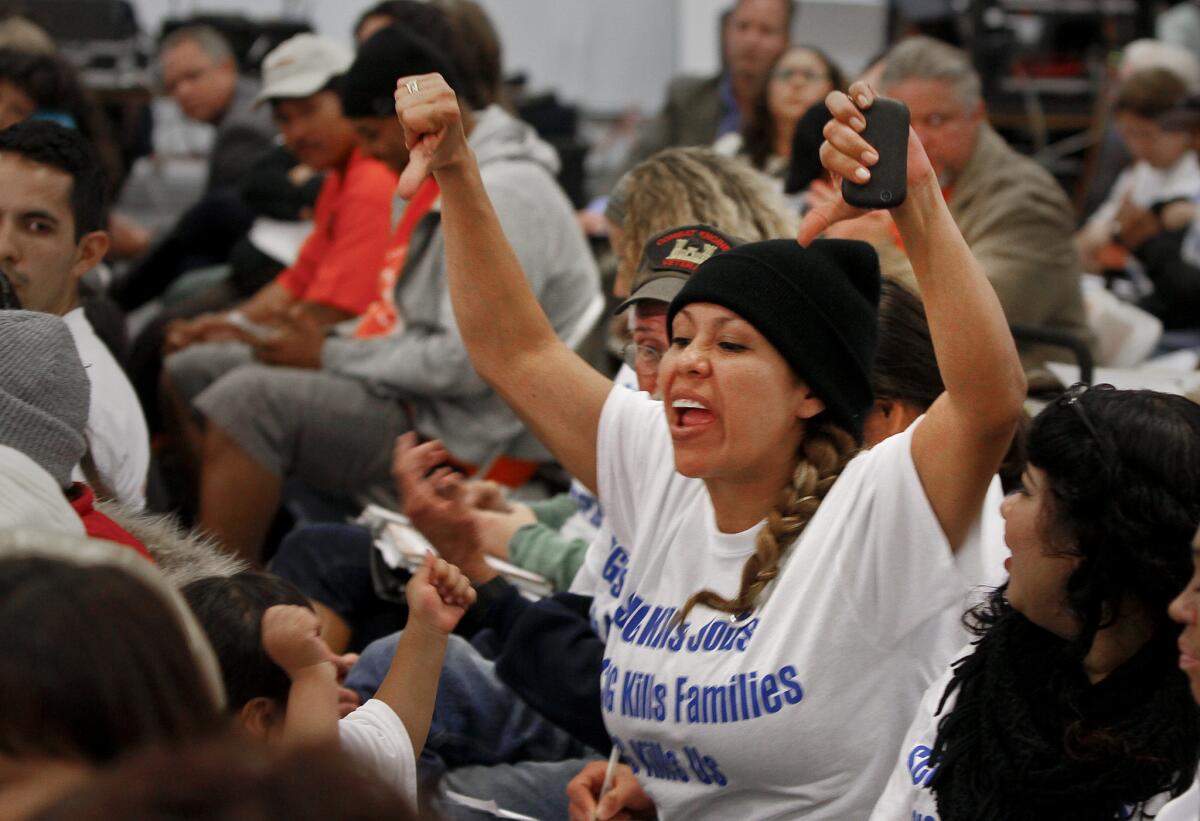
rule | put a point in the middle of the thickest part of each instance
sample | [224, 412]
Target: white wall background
[603, 54]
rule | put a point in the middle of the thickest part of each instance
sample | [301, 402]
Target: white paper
[485, 806]
[280, 240]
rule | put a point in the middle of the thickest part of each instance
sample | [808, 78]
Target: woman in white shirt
[1068, 705]
[821, 594]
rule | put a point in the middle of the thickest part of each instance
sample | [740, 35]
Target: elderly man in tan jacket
[1011, 211]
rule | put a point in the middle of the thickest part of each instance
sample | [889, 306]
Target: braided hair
[1029, 736]
[824, 452]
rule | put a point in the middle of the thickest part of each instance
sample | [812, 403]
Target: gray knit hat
[44, 392]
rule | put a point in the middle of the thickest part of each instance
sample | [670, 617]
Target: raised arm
[511, 343]
[438, 595]
[965, 434]
[291, 637]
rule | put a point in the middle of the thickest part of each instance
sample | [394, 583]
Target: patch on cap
[670, 257]
[684, 249]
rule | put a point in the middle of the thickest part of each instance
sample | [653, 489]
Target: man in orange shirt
[336, 274]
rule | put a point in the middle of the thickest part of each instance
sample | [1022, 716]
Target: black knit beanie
[817, 305]
[368, 88]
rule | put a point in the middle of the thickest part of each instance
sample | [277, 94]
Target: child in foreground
[283, 678]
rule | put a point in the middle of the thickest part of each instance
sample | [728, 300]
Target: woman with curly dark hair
[799, 79]
[1069, 703]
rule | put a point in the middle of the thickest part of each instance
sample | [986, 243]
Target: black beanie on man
[817, 305]
[368, 88]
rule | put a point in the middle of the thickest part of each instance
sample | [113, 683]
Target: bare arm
[965, 434]
[511, 343]
[291, 637]
[323, 315]
[267, 302]
[438, 595]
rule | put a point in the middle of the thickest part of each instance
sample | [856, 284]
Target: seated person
[1164, 170]
[331, 562]
[200, 72]
[281, 679]
[461, 29]
[1014, 216]
[797, 79]
[278, 188]
[330, 416]
[45, 86]
[129, 669]
[44, 393]
[335, 275]
[699, 110]
[53, 203]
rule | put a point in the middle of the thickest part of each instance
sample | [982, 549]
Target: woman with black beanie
[786, 598]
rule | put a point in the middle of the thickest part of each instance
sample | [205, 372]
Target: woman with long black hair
[1069, 703]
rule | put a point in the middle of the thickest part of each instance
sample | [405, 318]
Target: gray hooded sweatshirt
[425, 364]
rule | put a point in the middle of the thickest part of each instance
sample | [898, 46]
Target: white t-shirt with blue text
[602, 574]
[800, 709]
[907, 796]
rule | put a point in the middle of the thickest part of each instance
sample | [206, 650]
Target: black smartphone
[887, 132]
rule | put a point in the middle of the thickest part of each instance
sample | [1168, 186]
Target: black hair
[1150, 93]
[758, 133]
[369, 86]
[54, 85]
[50, 144]
[906, 368]
[434, 24]
[230, 610]
[96, 664]
[1123, 472]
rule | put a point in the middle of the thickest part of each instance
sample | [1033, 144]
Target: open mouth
[689, 413]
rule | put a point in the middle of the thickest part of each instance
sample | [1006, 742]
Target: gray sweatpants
[329, 431]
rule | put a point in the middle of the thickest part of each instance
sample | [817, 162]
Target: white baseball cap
[301, 66]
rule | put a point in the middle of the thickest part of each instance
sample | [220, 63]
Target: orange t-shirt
[339, 262]
[381, 316]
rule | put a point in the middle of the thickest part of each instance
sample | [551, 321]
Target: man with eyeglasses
[200, 72]
[1013, 214]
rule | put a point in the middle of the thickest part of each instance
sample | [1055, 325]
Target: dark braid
[825, 451]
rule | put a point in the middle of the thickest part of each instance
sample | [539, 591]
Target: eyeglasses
[1071, 398]
[641, 357]
[804, 75]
